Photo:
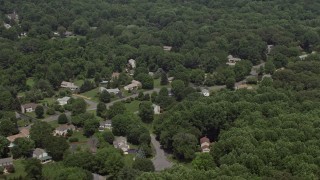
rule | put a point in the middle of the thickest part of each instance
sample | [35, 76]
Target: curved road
[160, 160]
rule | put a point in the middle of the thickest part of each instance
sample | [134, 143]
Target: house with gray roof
[6, 162]
[42, 155]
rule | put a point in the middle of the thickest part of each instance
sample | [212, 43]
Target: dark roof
[29, 105]
[38, 151]
[6, 161]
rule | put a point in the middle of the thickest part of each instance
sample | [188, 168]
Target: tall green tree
[143, 164]
[22, 147]
[33, 169]
[39, 111]
[146, 112]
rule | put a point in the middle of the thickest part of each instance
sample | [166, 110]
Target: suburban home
[205, 92]
[6, 162]
[93, 143]
[132, 63]
[107, 124]
[269, 48]
[104, 83]
[68, 33]
[232, 60]
[42, 155]
[170, 79]
[205, 144]
[266, 76]
[62, 130]
[63, 101]
[13, 16]
[111, 91]
[7, 26]
[24, 133]
[69, 85]
[156, 109]
[30, 107]
[167, 48]
[134, 85]
[303, 57]
[115, 75]
[121, 143]
[244, 86]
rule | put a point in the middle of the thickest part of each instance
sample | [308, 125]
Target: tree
[203, 161]
[8, 127]
[115, 109]
[143, 164]
[33, 168]
[101, 109]
[127, 173]
[230, 83]
[22, 147]
[269, 67]
[40, 132]
[80, 26]
[63, 119]
[164, 79]
[146, 81]
[79, 106]
[184, 146]
[105, 97]
[56, 147]
[108, 136]
[4, 143]
[114, 164]
[178, 87]
[121, 124]
[146, 112]
[39, 111]
[90, 127]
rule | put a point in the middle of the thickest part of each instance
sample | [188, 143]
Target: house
[111, 91]
[68, 34]
[13, 16]
[105, 125]
[6, 162]
[167, 48]
[69, 85]
[266, 76]
[7, 26]
[24, 133]
[134, 85]
[244, 86]
[115, 75]
[232, 60]
[121, 143]
[303, 57]
[151, 74]
[205, 144]
[205, 92]
[132, 63]
[104, 83]
[30, 107]
[269, 48]
[63, 101]
[62, 130]
[42, 155]
[156, 109]
[170, 79]
[93, 143]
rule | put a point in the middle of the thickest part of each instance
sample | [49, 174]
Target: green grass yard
[157, 84]
[19, 169]
[133, 106]
[92, 94]
[30, 82]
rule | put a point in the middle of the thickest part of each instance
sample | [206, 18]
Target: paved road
[160, 160]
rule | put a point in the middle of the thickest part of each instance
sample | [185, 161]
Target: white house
[7, 26]
[30, 107]
[134, 85]
[121, 143]
[232, 60]
[62, 130]
[111, 91]
[156, 109]
[69, 85]
[63, 101]
[205, 144]
[303, 57]
[132, 63]
[205, 92]
[42, 155]
[105, 125]
[167, 48]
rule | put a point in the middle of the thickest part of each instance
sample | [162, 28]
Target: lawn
[80, 136]
[30, 82]
[48, 101]
[54, 124]
[19, 169]
[92, 94]
[23, 123]
[78, 82]
[133, 106]
[128, 159]
[33, 114]
[156, 84]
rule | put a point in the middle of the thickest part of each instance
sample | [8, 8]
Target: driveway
[160, 160]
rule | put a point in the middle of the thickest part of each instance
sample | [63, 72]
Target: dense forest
[271, 132]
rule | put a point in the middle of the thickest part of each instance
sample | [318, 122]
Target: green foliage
[184, 146]
[146, 81]
[203, 161]
[90, 127]
[39, 111]
[63, 119]
[105, 97]
[79, 106]
[4, 143]
[230, 82]
[146, 112]
[101, 109]
[108, 136]
[23, 147]
[164, 79]
[143, 164]
[115, 109]
[33, 168]
[40, 132]
[178, 87]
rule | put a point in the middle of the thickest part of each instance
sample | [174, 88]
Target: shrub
[73, 139]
